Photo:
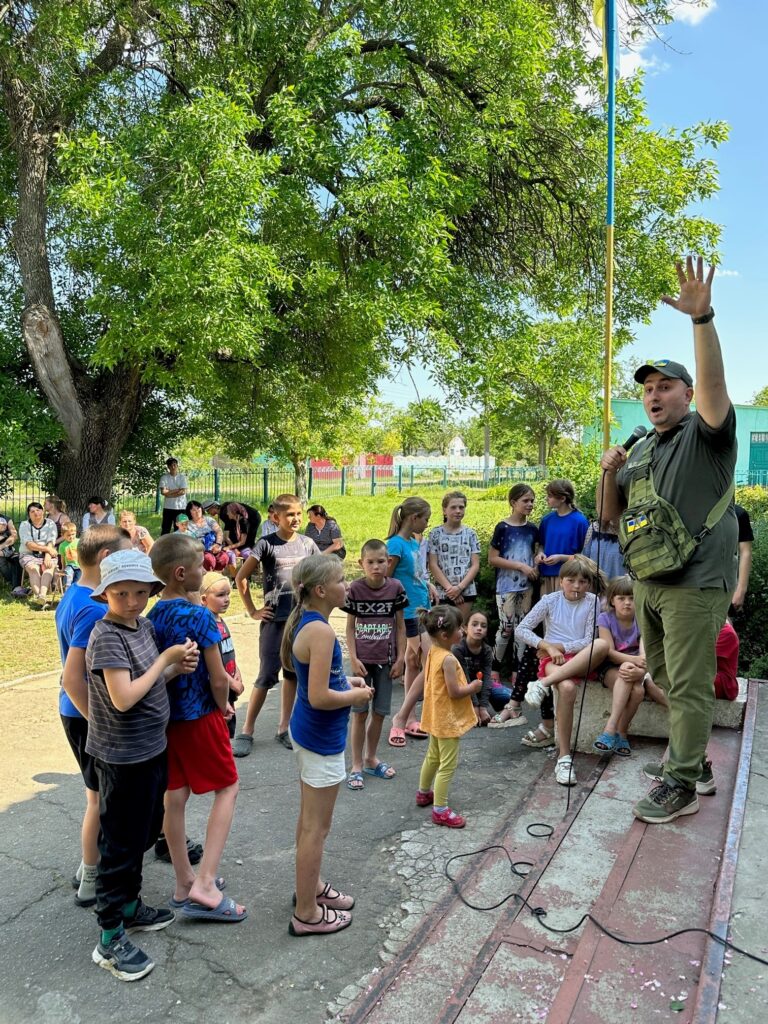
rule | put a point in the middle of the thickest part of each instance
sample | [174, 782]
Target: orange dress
[443, 716]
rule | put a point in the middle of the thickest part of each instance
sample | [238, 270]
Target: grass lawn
[28, 642]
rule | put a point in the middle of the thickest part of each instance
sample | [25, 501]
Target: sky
[712, 68]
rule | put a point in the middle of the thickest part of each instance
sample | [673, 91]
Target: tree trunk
[110, 416]
[541, 442]
[300, 476]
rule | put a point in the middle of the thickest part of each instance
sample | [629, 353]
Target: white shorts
[319, 770]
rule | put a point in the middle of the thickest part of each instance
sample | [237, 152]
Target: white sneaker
[565, 773]
[535, 693]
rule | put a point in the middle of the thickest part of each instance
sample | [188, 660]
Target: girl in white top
[569, 651]
[454, 556]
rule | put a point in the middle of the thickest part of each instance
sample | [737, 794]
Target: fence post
[310, 475]
[399, 478]
[265, 485]
[445, 476]
[373, 481]
[216, 485]
[343, 480]
[158, 502]
[411, 476]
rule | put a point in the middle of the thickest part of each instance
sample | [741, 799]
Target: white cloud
[727, 273]
[692, 14]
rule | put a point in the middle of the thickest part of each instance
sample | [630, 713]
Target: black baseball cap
[667, 368]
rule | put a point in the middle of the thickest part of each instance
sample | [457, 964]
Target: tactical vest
[653, 538]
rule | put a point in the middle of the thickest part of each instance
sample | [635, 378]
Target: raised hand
[695, 298]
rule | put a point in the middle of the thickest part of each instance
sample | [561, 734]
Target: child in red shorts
[199, 752]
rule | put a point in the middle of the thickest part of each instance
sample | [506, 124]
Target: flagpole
[611, 50]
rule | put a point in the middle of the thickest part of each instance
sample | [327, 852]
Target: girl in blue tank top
[324, 696]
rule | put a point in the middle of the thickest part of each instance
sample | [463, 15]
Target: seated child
[626, 674]
[68, 555]
[476, 658]
[199, 752]
[569, 652]
[216, 594]
[127, 716]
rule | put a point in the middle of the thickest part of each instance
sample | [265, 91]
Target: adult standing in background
[684, 591]
[746, 539]
[325, 532]
[173, 487]
[98, 513]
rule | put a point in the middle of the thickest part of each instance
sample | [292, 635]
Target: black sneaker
[665, 803]
[148, 919]
[194, 851]
[126, 961]
[706, 784]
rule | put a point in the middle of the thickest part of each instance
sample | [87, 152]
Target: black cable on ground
[540, 913]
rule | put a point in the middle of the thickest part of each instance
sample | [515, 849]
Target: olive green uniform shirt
[692, 471]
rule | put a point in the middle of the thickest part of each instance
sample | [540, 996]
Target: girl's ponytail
[413, 506]
[312, 571]
[395, 521]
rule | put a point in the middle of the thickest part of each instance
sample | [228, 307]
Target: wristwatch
[704, 319]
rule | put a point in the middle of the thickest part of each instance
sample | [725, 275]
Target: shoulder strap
[717, 513]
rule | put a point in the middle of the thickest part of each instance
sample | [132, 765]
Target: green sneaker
[706, 784]
[665, 803]
[654, 770]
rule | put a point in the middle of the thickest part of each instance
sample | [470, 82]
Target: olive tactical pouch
[653, 538]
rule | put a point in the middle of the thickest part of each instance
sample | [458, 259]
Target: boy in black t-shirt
[127, 716]
[277, 554]
[376, 642]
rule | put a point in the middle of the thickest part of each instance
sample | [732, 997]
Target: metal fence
[259, 486]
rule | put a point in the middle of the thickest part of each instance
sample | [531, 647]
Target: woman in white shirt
[37, 551]
[97, 514]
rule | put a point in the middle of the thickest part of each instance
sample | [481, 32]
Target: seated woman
[37, 551]
[10, 569]
[241, 527]
[325, 532]
[141, 539]
[56, 511]
[98, 514]
[205, 529]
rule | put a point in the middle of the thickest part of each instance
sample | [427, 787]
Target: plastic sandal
[396, 737]
[381, 771]
[622, 747]
[225, 912]
[355, 782]
[175, 904]
[538, 737]
[331, 921]
[415, 731]
[605, 743]
[242, 745]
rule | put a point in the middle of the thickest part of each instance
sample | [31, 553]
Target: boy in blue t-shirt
[76, 616]
[199, 752]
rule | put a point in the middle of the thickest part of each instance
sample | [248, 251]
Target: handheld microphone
[634, 437]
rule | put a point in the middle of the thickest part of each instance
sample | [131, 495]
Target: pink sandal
[331, 921]
[338, 902]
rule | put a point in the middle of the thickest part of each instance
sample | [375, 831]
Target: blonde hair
[69, 528]
[312, 571]
[126, 512]
[172, 550]
[410, 507]
[210, 579]
[584, 568]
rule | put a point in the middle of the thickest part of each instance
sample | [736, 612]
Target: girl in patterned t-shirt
[454, 556]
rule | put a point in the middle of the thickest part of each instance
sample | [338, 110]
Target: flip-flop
[355, 782]
[175, 904]
[416, 732]
[380, 771]
[396, 737]
[225, 912]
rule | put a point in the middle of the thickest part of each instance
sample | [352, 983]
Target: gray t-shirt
[454, 555]
[277, 558]
[693, 467]
[138, 734]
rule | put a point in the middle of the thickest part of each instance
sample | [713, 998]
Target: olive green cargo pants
[679, 627]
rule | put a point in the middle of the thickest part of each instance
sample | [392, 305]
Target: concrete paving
[382, 848]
